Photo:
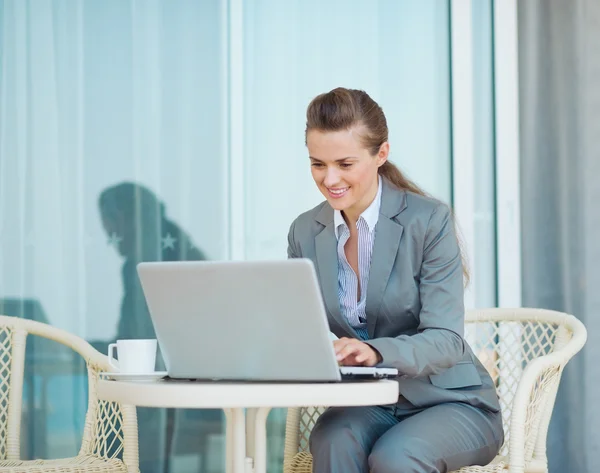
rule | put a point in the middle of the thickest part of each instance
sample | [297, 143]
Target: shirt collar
[370, 215]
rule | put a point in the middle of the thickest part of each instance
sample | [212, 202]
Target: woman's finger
[347, 350]
[349, 361]
[339, 345]
[363, 356]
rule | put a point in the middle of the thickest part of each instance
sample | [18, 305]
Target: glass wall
[111, 153]
[397, 51]
[115, 140]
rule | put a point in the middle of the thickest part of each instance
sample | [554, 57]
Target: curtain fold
[560, 157]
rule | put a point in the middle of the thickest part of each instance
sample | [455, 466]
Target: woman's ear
[382, 155]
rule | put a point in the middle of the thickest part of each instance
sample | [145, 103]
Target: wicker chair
[525, 351]
[110, 442]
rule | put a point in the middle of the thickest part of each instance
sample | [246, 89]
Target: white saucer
[135, 376]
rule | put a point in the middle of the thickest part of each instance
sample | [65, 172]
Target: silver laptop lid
[240, 320]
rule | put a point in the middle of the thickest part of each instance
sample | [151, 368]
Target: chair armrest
[532, 408]
[110, 428]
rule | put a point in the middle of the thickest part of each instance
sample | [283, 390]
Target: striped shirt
[351, 306]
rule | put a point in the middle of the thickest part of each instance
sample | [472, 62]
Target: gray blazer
[414, 306]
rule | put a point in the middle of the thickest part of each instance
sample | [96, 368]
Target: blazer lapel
[327, 267]
[388, 233]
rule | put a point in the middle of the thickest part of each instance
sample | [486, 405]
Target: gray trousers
[385, 439]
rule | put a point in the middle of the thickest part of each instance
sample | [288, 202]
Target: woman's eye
[346, 165]
[316, 165]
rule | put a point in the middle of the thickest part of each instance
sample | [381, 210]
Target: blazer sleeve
[438, 343]
[292, 251]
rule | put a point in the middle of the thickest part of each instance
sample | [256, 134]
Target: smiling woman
[391, 274]
[346, 130]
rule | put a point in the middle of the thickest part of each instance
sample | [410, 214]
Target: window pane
[397, 51]
[112, 132]
[485, 204]
[297, 49]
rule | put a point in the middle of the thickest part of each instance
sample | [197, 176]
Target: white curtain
[560, 154]
[93, 94]
[122, 99]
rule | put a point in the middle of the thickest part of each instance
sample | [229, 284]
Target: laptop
[244, 321]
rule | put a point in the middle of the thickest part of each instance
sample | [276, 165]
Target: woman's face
[343, 169]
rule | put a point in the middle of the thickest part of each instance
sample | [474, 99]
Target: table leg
[246, 440]
[237, 444]
[228, 440]
[260, 439]
[250, 430]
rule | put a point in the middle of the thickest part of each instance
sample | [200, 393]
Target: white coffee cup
[135, 356]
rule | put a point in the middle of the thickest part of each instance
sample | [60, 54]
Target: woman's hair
[343, 109]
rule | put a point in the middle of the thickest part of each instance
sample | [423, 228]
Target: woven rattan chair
[525, 351]
[110, 442]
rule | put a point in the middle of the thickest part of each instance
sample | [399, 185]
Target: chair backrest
[103, 431]
[507, 341]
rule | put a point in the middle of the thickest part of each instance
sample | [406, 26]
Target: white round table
[246, 444]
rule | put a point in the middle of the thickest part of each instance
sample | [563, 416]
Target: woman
[392, 278]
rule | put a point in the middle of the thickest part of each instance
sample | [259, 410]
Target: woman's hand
[353, 352]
